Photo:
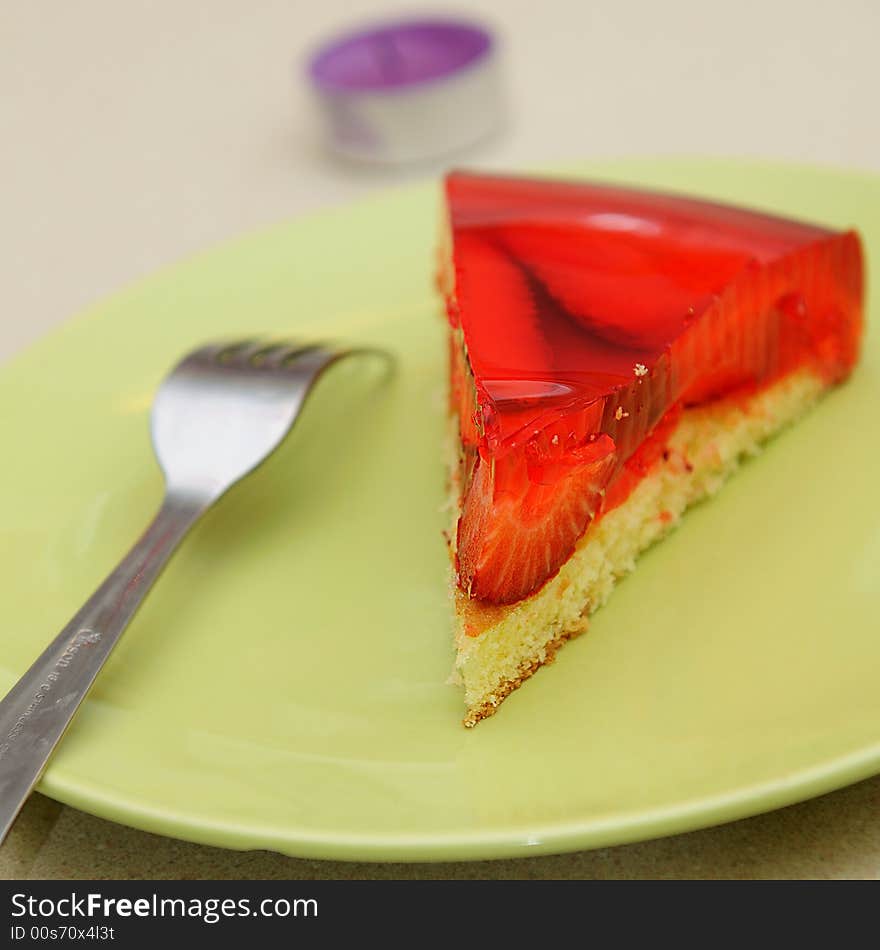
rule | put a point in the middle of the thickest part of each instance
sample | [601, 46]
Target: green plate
[284, 685]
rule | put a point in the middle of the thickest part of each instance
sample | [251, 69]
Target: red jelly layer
[583, 313]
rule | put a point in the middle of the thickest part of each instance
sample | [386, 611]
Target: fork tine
[216, 352]
[278, 355]
[294, 353]
[263, 353]
[372, 351]
[248, 353]
[317, 357]
[236, 353]
[268, 354]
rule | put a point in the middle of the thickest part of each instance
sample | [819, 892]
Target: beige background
[137, 132]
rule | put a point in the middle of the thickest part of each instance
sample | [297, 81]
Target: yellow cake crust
[498, 647]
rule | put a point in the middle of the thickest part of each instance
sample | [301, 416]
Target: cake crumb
[555, 440]
[640, 369]
[620, 414]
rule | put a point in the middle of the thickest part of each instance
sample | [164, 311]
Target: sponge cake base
[498, 647]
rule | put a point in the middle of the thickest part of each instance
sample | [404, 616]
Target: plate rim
[553, 838]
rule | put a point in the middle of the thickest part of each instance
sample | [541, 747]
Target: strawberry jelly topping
[581, 311]
[562, 289]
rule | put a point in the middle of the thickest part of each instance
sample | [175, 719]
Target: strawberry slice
[627, 288]
[493, 286]
[523, 514]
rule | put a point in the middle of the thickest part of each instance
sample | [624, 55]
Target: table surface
[138, 133]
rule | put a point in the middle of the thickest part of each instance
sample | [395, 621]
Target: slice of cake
[613, 354]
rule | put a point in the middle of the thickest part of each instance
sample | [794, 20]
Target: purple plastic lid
[395, 55]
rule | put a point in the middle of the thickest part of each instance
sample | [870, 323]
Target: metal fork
[221, 411]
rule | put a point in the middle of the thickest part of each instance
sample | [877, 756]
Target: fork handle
[37, 710]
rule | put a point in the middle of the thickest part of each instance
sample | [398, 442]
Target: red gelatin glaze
[580, 315]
